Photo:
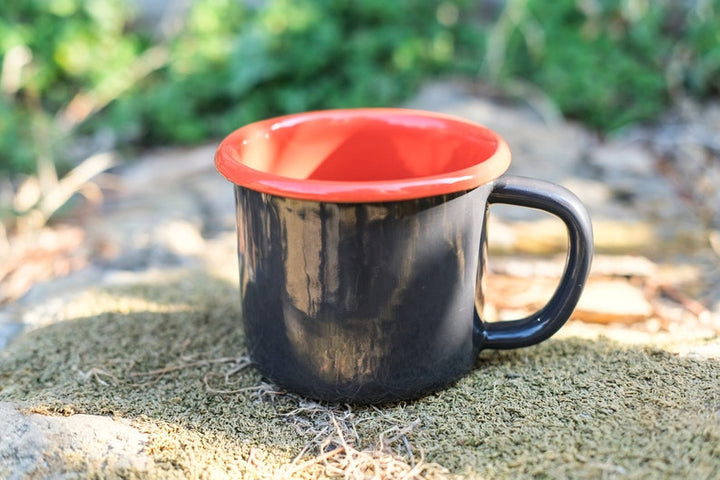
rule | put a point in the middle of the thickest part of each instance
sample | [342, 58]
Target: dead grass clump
[337, 449]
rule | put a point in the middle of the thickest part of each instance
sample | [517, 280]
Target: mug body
[361, 302]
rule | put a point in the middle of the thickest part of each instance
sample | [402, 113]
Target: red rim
[362, 155]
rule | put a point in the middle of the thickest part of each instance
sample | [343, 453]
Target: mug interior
[362, 155]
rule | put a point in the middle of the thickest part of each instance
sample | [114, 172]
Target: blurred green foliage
[611, 62]
[290, 56]
[73, 68]
[228, 64]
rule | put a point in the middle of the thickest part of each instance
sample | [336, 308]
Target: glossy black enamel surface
[373, 302]
[360, 302]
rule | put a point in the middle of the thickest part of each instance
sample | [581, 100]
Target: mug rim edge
[363, 191]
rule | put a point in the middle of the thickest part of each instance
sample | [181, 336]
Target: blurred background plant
[82, 80]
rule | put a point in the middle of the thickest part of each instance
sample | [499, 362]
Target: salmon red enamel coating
[362, 155]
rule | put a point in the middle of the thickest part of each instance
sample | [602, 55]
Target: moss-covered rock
[170, 358]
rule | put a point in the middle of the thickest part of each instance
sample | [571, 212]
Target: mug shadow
[171, 358]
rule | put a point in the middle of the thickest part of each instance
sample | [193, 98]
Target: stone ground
[652, 193]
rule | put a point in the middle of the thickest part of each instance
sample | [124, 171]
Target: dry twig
[199, 363]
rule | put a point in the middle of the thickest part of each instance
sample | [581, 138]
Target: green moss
[565, 409]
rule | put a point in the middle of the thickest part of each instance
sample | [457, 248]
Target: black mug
[362, 249]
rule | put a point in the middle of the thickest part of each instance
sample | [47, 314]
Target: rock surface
[40, 446]
[612, 301]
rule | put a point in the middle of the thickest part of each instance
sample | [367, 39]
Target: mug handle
[557, 200]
